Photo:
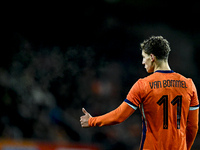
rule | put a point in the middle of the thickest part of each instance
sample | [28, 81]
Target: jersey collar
[165, 71]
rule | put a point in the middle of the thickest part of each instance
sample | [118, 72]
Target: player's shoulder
[149, 77]
[173, 75]
[182, 77]
[145, 80]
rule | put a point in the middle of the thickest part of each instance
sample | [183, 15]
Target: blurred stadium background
[59, 57]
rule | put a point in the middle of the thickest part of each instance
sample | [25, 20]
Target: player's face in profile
[147, 62]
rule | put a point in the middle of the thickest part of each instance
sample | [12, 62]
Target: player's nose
[143, 61]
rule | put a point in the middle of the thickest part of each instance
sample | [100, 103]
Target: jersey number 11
[164, 100]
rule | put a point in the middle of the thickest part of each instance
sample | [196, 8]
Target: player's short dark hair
[156, 45]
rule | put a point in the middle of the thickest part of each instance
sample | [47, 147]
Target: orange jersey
[165, 99]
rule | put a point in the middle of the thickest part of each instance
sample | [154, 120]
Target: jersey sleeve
[192, 127]
[194, 104]
[134, 98]
[114, 117]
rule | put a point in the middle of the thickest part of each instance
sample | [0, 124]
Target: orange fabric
[164, 100]
[114, 117]
[192, 127]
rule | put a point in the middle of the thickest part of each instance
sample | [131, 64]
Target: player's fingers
[81, 118]
[82, 125]
[84, 111]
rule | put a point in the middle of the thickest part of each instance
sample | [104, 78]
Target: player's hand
[84, 119]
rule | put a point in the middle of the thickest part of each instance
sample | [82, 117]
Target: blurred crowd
[43, 91]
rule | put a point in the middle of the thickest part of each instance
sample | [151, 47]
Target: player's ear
[153, 57]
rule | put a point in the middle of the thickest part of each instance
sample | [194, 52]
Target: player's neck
[161, 65]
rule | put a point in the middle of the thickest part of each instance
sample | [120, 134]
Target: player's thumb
[84, 111]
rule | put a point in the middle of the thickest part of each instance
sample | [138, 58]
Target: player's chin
[149, 71]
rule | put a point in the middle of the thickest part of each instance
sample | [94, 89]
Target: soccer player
[167, 100]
